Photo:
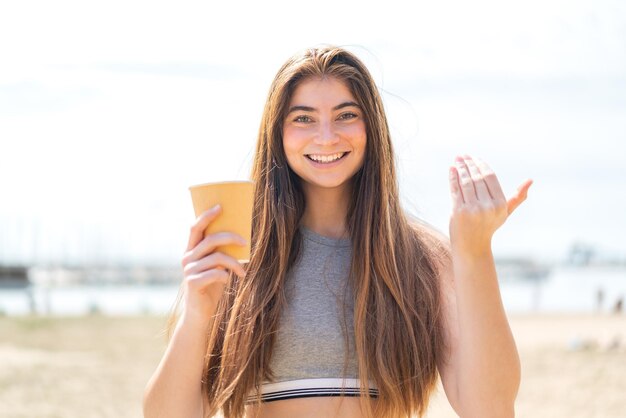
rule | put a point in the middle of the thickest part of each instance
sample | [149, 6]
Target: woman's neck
[326, 210]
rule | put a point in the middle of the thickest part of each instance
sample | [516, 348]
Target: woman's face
[324, 133]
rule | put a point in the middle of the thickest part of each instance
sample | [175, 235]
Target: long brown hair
[394, 272]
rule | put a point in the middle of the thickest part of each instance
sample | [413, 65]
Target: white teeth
[326, 158]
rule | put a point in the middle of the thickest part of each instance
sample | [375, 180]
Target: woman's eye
[348, 115]
[302, 118]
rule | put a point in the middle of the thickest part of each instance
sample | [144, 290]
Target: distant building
[581, 254]
[13, 276]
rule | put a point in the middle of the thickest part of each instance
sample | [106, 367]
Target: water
[565, 290]
[84, 299]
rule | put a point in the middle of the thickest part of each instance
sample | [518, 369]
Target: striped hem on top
[306, 388]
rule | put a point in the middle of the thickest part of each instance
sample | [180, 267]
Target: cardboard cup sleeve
[236, 198]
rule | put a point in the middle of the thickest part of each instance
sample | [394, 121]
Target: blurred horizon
[109, 112]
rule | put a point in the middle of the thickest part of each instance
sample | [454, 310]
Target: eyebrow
[312, 109]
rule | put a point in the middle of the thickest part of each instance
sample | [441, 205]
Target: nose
[327, 134]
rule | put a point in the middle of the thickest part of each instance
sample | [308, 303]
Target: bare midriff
[317, 407]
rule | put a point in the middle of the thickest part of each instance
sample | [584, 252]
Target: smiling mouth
[325, 159]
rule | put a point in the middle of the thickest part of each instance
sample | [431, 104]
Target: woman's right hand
[206, 270]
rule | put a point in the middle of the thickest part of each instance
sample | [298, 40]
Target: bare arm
[482, 375]
[175, 389]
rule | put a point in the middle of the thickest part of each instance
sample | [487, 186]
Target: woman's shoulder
[438, 248]
[432, 236]
[434, 243]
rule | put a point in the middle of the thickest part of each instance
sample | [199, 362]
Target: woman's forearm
[488, 363]
[175, 387]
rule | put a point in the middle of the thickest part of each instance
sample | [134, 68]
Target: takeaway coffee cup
[235, 198]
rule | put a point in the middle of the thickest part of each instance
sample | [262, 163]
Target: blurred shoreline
[526, 287]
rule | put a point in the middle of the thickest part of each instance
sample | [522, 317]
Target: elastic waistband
[305, 388]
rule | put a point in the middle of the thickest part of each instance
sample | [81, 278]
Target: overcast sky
[110, 110]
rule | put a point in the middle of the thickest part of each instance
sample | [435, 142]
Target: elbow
[499, 406]
[156, 405]
[148, 404]
[508, 412]
[489, 410]
[503, 410]
[495, 404]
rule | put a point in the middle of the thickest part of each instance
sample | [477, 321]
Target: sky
[109, 111]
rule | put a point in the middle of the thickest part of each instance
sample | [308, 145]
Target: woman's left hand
[479, 206]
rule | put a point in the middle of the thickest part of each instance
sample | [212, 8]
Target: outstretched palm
[479, 207]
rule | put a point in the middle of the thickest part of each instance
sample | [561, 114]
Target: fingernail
[216, 208]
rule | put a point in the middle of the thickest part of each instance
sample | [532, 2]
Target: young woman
[348, 307]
